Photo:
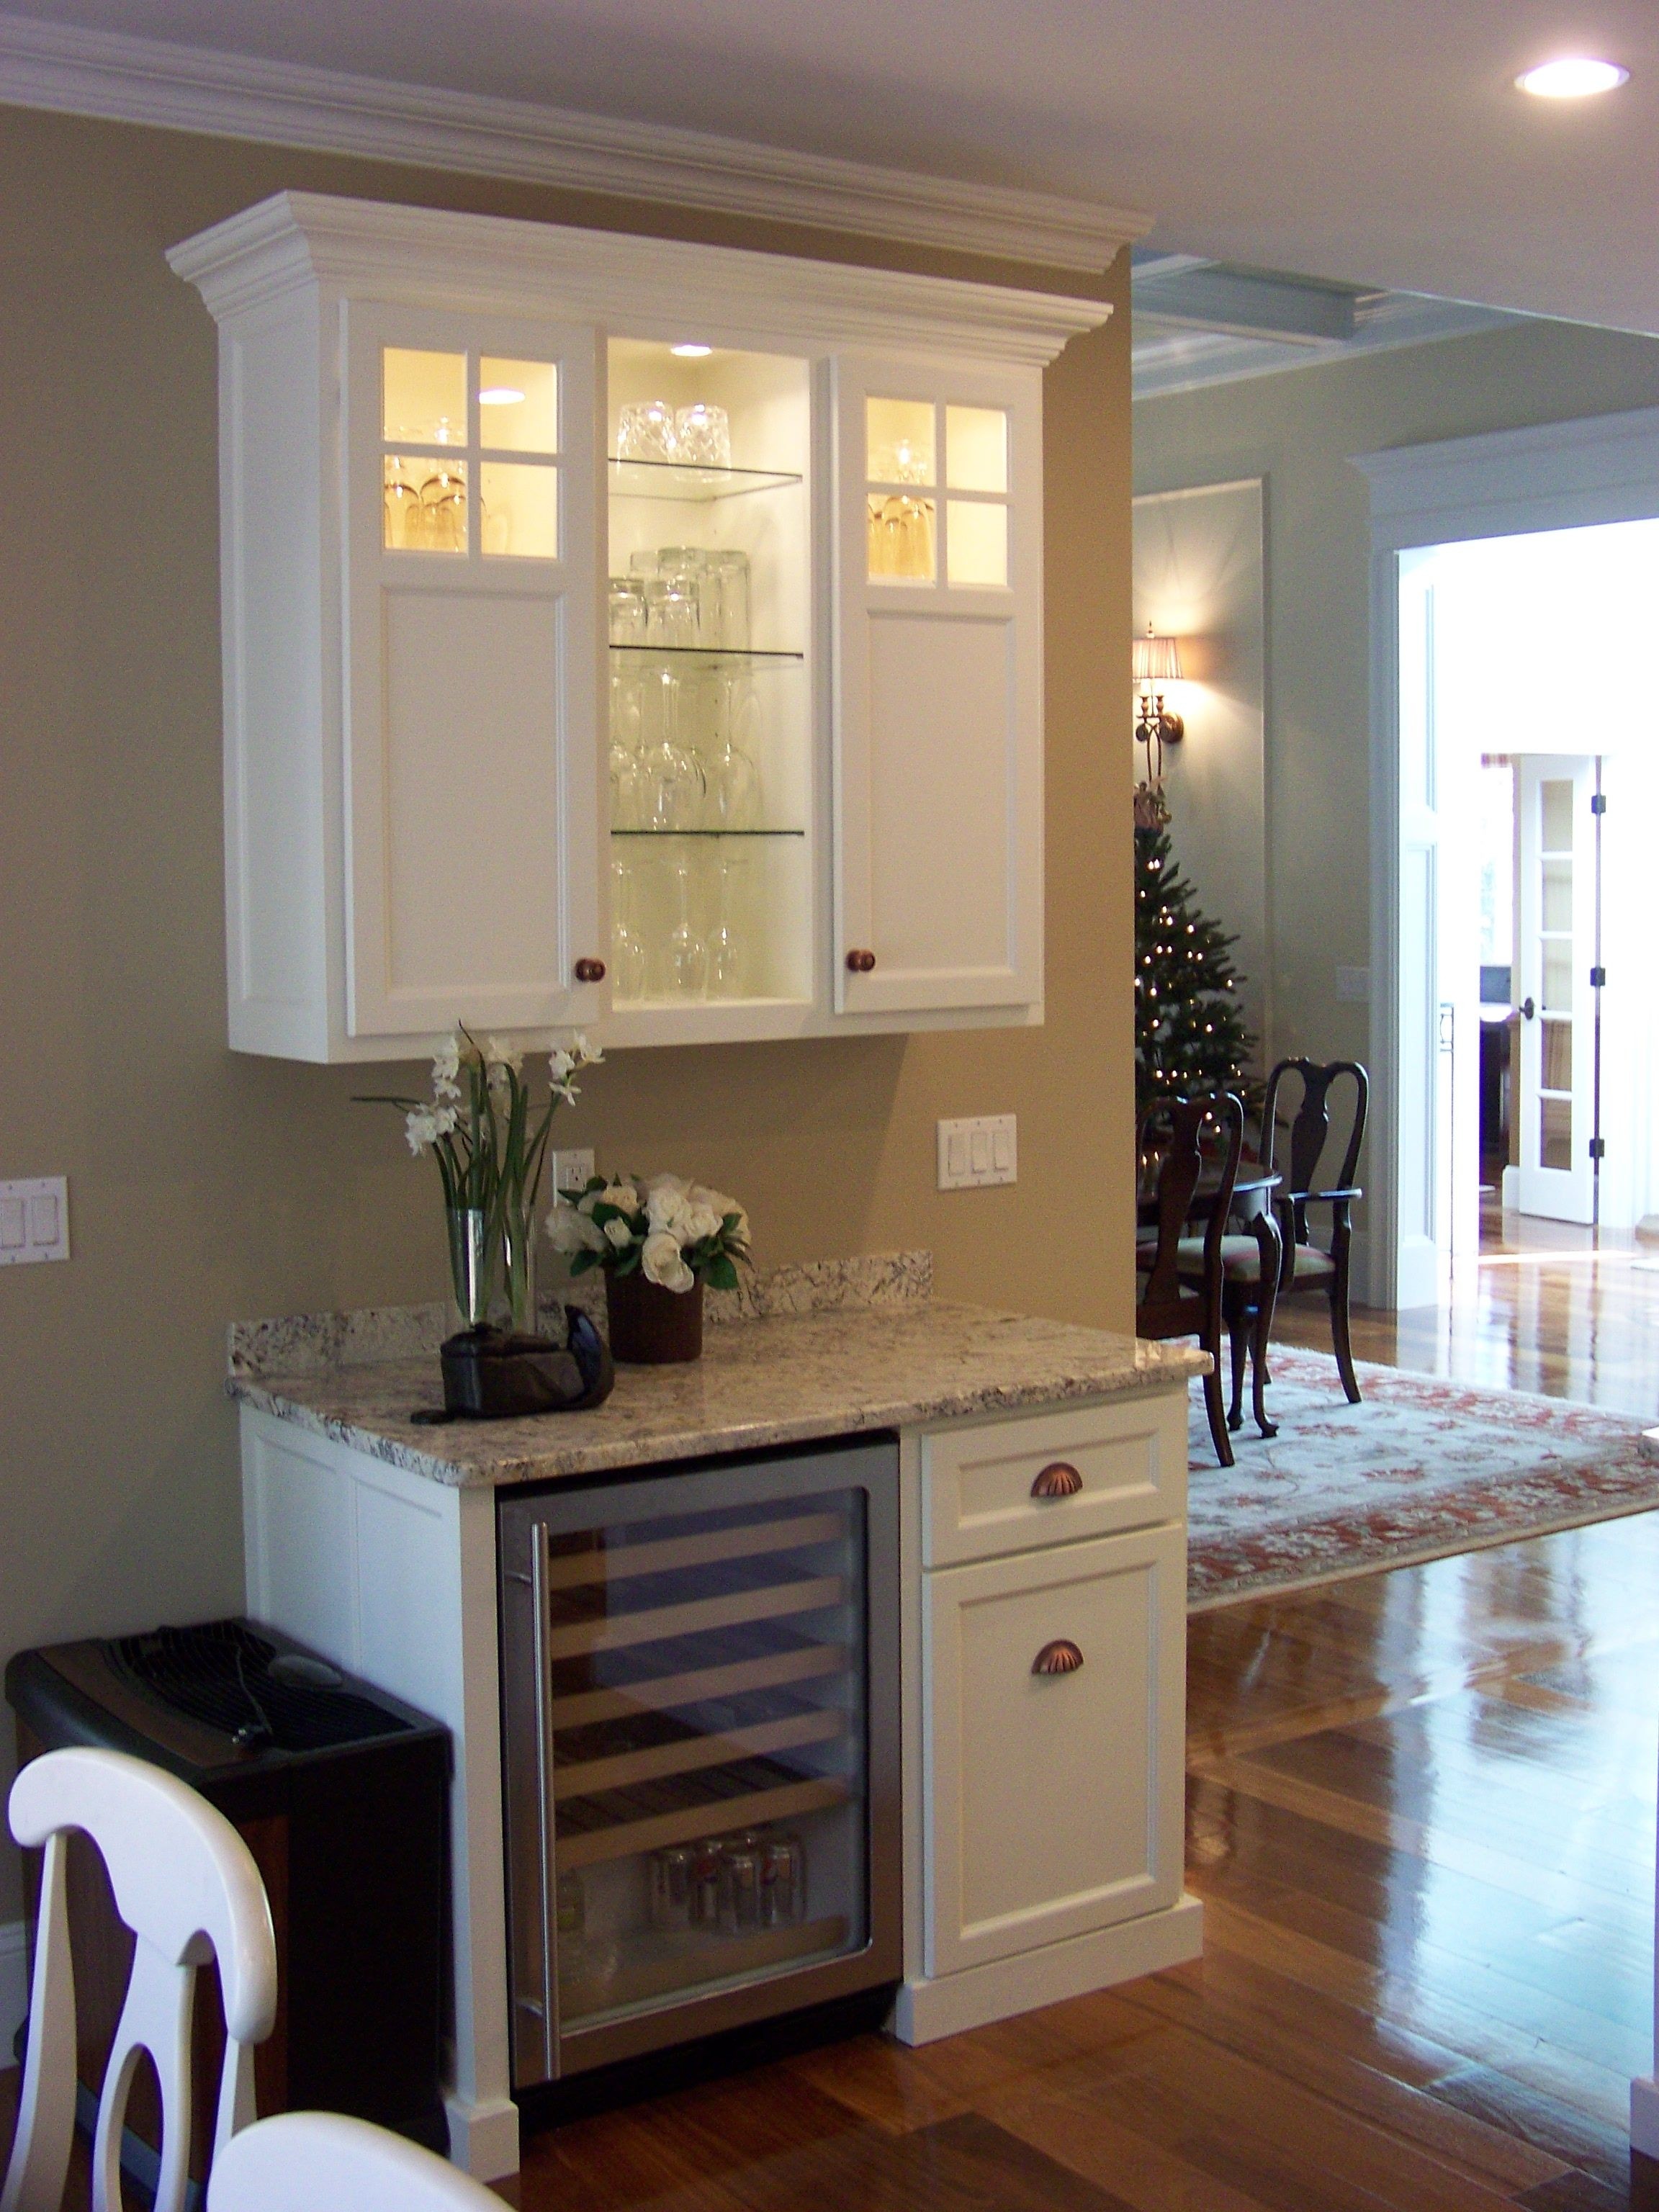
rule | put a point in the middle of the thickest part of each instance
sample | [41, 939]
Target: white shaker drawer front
[1010, 1486]
[1053, 1738]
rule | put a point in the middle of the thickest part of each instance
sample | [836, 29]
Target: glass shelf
[709, 833]
[710, 656]
[677, 480]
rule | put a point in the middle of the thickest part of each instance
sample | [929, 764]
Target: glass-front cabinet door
[470, 769]
[938, 736]
[709, 717]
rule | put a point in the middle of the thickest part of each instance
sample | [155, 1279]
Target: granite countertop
[808, 1353]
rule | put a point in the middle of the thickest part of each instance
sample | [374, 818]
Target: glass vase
[519, 1269]
[471, 1262]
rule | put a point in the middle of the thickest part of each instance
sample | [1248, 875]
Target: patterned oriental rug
[1421, 1467]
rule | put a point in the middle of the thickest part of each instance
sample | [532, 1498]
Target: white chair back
[325, 2162]
[186, 1885]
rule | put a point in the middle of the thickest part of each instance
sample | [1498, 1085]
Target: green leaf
[720, 1273]
[581, 1261]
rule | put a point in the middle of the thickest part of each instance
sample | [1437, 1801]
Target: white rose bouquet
[673, 1233]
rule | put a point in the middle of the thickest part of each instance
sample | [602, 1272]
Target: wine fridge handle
[544, 1809]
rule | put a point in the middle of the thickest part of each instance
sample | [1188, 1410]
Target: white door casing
[472, 754]
[937, 753]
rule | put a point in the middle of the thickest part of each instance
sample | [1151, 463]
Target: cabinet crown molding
[429, 258]
[77, 71]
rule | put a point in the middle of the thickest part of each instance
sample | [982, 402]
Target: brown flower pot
[650, 1324]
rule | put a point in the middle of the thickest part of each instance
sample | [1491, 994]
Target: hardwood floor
[1422, 1818]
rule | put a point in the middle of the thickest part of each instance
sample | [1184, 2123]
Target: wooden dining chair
[186, 1885]
[1186, 1138]
[1307, 1265]
[325, 2162]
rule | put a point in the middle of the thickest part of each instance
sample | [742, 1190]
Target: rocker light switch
[34, 1220]
[975, 1153]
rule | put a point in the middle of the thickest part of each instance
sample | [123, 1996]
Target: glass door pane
[706, 1703]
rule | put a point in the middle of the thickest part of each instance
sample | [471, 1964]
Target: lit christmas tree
[1189, 1030]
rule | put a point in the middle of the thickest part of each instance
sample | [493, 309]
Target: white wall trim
[130, 80]
[1170, 358]
[1552, 476]
[14, 1985]
[432, 258]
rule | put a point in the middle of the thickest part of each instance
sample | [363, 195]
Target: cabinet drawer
[1054, 1798]
[1010, 1486]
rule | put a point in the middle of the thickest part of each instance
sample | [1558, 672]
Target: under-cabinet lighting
[1574, 76]
[499, 395]
[691, 352]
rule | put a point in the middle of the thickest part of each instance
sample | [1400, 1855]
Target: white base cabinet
[531, 722]
[1046, 1668]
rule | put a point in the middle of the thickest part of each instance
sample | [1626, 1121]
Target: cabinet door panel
[472, 674]
[938, 722]
[1054, 1799]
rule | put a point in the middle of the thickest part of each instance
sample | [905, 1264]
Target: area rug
[1421, 1467]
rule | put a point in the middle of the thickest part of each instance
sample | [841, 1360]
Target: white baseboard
[925, 2010]
[483, 2137]
[13, 1986]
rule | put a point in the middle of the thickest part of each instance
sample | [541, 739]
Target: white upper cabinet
[620, 635]
[939, 737]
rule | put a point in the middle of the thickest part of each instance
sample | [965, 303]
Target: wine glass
[674, 787]
[629, 782]
[627, 951]
[727, 965]
[688, 955]
[733, 779]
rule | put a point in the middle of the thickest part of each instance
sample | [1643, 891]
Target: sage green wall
[205, 1186]
[1296, 431]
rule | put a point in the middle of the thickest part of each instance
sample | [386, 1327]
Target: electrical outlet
[573, 1169]
[34, 1220]
[975, 1153]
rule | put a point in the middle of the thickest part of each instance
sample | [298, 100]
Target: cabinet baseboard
[925, 2010]
[13, 1986]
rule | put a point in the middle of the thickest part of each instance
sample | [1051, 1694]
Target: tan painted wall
[1296, 431]
[204, 1186]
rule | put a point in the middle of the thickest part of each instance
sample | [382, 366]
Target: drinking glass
[627, 951]
[627, 610]
[688, 955]
[671, 611]
[403, 504]
[644, 431]
[702, 437]
[727, 966]
[443, 509]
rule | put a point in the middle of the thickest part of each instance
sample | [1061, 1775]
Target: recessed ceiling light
[499, 395]
[690, 352]
[1573, 77]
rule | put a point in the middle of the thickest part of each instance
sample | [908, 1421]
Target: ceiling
[1381, 147]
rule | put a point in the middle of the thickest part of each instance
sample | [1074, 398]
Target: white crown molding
[1551, 476]
[427, 256]
[130, 80]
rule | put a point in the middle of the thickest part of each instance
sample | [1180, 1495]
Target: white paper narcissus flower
[421, 1128]
[499, 1051]
[445, 1067]
[660, 1262]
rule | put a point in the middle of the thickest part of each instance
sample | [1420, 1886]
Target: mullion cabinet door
[1053, 1720]
[939, 726]
[472, 805]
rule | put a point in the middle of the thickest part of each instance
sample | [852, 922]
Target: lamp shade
[1157, 660]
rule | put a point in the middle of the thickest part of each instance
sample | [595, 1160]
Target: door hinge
[1598, 979]
[1598, 1148]
[1598, 802]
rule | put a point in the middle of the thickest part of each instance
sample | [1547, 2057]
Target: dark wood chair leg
[1215, 1408]
[1339, 1334]
[1238, 1331]
[1258, 1370]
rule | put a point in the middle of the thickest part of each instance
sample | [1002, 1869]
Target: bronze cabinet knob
[590, 971]
[1060, 1657]
[860, 962]
[1058, 1480]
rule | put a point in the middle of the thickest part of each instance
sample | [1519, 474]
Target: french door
[1557, 985]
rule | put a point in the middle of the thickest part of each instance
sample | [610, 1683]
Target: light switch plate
[34, 1220]
[975, 1153]
[573, 1169]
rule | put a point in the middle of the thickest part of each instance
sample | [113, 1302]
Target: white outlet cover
[574, 1168]
[34, 1220]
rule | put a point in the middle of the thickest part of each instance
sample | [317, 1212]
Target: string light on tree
[1190, 1034]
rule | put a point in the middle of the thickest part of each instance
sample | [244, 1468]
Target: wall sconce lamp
[1156, 661]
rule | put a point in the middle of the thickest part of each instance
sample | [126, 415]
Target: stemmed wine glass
[726, 977]
[627, 951]
[688, 955]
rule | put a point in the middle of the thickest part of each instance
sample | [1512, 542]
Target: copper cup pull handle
[860, 963]
[1060, 1657]
[590, 971]
[1058, 1480]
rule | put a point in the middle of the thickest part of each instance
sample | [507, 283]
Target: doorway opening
[1529, 1025]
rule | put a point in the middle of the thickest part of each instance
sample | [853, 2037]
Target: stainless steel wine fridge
[700, 1675]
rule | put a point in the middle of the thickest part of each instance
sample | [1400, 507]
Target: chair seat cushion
[1241, 1261]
